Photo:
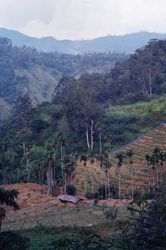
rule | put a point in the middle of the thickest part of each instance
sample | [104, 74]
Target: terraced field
[147, 142]
[89, 177]
[141, 146]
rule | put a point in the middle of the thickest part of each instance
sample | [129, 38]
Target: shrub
[148, 195]
[95, 202]
[89, 195]
[80, 239]
[114, 191]
[103, 191]
[110, 213]
[71, 189]
[13, 241]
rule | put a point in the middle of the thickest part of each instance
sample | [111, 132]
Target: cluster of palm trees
[155, 162]
[121, 156]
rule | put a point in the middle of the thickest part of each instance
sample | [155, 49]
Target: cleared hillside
[147, 142]
[91, 176]
[142, 171]
[37, 208]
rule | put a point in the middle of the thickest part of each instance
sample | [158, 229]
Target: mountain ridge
[127, 43]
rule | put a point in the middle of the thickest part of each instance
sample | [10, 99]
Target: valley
[92, 126]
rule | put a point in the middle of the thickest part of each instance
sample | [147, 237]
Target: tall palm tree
[162, 160]
[129, 155]
[153, 160]
[7, 197]
[120, 157]
[157, 156]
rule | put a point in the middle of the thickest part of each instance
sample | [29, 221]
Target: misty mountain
[45, 44]
[25, 71]
[118, 44]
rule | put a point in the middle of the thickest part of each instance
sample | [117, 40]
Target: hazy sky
[82, 19]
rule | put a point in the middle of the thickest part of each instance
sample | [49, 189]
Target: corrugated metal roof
[68, 198]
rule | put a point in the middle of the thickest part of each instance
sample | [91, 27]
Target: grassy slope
[5, 110]
[147, 115]
[40, 85]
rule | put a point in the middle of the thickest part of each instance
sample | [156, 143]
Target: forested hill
[87, 116]
[26, 71]
[141, 77]
[119, 44]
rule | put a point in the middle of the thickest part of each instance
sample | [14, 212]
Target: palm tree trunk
[132, 183]
[87, 138]
[91, 133]
[65, 184]
[105, 190]
[62, 159]
[108, 177]
[92, 180]
[157, 178]
[100, 147]
[149, 183]
[161, 174]
[119, 184]
[85, 185]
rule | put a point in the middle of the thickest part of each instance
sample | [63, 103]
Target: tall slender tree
[129, 155]
[120, 157]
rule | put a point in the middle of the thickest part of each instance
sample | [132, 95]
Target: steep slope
[90, 177]
[147, 142]
[41, 84]
[26, 71]
[5, 110]
[143, 174]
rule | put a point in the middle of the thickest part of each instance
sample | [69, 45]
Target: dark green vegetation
[26, 71]
[87, 118]
[71, 189]
[148, 228]
[7, 197]
[86, 115]
[118, 44]
[13, 241]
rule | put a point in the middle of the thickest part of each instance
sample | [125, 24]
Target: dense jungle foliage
[83, 115]
[27, 71]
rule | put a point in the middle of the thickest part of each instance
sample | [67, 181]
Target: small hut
[69, 198]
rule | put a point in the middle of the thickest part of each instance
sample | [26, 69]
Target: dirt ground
[39, 208]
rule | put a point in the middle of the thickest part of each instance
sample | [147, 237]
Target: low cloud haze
[82, 19]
